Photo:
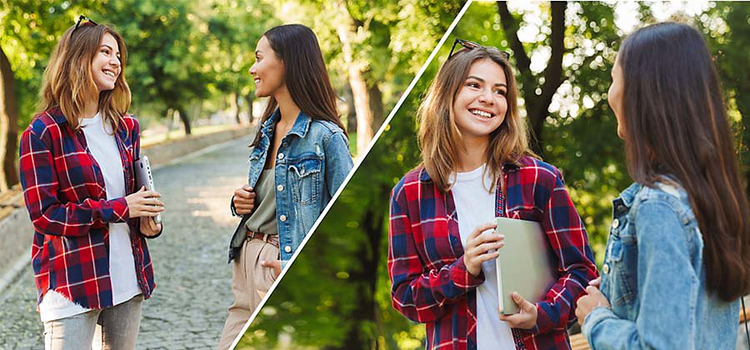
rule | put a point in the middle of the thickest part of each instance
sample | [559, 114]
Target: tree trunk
[249, 100]
[537, 105]
[8, 124]
[366, 281]
[356, 80]
[376, 106]
[234, 101]
[185, 120]
[351, 114]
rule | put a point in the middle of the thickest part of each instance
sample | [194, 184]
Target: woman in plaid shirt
[476, 166]
[89, 254]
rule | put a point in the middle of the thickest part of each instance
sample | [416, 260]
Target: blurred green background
[336, 295]
[188, 61]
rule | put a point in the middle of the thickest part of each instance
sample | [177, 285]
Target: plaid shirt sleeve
[39, 179]
[418, 292]
[568, 238]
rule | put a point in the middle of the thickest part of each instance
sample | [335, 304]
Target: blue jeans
[119, 328]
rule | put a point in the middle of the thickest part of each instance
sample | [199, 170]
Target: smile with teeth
[109, 73]
[481, 113]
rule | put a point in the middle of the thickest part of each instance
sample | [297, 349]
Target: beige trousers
[250, 282]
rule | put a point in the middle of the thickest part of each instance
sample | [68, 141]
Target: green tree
[28, 32]
[235, 28]
[167, 65]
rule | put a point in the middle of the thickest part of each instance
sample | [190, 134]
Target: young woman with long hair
[89, 253]
[675, 265]
[299, 158]
[476, 165]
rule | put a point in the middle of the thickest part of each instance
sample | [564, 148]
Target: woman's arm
[666, 318]
[40, 187]
[419, 294]
[568, 240]
[338, 161]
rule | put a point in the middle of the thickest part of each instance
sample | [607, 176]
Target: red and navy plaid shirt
[430, 283]
[67, 202]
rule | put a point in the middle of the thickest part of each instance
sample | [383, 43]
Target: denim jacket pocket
[304, 174]
[622, 261]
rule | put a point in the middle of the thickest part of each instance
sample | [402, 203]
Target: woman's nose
[486, 97]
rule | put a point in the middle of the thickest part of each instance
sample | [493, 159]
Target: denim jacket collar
[300, 127]
[628, 195]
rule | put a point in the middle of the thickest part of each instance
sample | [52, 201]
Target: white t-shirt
[102, 145]
[475, 205]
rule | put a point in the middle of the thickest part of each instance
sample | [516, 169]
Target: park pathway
[188, 307]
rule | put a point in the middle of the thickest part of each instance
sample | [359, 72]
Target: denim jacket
[312, 162]
[655, 280]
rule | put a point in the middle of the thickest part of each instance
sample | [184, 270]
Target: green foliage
[180, 52]
[727, 29]
[29, 30]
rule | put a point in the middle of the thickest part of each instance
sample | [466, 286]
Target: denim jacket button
[280, 156]
[288, 249]
[605, 269]
[280, 188]
[282, 217]
[615, 223]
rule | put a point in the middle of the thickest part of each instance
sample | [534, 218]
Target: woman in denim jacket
[299, 158]
[673, 269]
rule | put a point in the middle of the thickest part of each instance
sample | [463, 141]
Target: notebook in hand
[526, 265]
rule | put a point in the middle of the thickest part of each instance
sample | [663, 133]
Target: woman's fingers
[245, 192]
[154, 226]
[481, 228]
[489, 238]
[596, 282]
[489, 256]
[485, 247]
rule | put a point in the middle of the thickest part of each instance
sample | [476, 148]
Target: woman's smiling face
[480, 104]
[267, 71]
[106, 65]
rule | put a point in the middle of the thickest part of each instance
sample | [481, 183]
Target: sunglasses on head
[470, 45]
[88, 22]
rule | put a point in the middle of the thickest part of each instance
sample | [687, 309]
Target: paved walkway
[188, 308]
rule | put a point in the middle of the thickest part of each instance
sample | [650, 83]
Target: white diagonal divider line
[354, 170]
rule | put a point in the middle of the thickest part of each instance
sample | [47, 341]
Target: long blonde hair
[68, 82]
[441, 141]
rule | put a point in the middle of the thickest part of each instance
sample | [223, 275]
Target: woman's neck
[90, 109]
[288, 109]
[474, 154]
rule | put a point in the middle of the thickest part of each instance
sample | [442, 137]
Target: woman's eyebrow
[109, 47]
[482, 80]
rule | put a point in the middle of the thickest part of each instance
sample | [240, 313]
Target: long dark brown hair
[439, 138]
[305, 74]
[676, 124]
[67, 81]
